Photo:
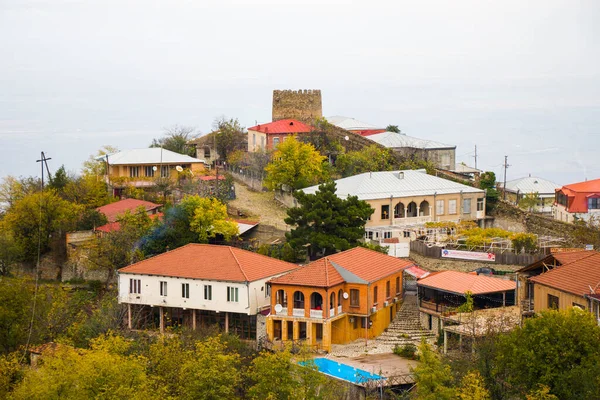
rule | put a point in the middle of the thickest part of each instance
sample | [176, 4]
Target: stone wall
[303, 105]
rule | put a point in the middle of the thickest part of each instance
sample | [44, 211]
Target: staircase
[406, 326]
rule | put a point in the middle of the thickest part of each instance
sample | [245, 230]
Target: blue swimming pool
[343, 371]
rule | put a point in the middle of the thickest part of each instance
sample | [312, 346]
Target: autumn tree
[433, 377]
[176, 138]
[13, 189]
[210, 218]
[95, 165]
[371, 158]
[529, 201]
[230, 136]
[326, 223]
[295, 165]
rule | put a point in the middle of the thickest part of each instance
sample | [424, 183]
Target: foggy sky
[512, 77]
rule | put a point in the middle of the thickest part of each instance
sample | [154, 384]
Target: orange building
[336, 299]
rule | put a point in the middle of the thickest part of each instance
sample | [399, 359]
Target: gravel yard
[260, 206]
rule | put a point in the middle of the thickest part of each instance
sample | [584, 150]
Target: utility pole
[475, 156]
[505, 165]
[44, 163]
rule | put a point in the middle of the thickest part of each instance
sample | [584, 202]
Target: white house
[200, 284]
[517, 189]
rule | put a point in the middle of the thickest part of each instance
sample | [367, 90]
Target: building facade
[578, 201]
[266, 137]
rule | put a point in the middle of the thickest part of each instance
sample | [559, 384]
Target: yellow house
[336, 299]
[142, 167]
[401, 199]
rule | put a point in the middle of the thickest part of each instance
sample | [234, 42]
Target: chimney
[400, 175]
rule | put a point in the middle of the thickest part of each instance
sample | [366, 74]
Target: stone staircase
[406, 326]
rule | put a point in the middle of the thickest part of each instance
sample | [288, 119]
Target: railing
[437, 307]
[411, 220]
[331, 312]
[316, 313]
[284, 311]
[298, 312]
[339, 309]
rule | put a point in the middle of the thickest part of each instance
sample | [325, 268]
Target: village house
[205, 148]
[266, 137]
[141, 168]
[354, 125]
[441, 294]
[574, 282]
[200, 285]
[443, 156]
[119, 208]
[336, 299]
[578, 201]
[545, 190]
[404, 199]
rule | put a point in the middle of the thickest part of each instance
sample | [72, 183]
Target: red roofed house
[574, 283]
[443, 292]
[578, 201]
[266, 137]
[114, 210]
[336, 299]
[200, 284]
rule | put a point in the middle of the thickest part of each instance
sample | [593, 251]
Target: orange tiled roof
[114, 210]
[364, 264]
[282, 126]
[462, 282]
[576, 277]
[570, 256]
[211, 262]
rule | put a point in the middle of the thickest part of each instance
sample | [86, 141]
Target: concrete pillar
[284, 332]
[445, 342]
[161, 318]
[309, 333]
[129, 316]
[194, 320]
[226, 322]
[418, 211]
[504, 299]
[327, 336]
[296, 333]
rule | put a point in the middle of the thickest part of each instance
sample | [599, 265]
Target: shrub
[408, 350]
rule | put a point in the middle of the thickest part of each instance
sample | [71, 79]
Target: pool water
[343, 371]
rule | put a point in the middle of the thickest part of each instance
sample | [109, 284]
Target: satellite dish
[178, 168]
[278, 308]
[155, 168]
[345, 295]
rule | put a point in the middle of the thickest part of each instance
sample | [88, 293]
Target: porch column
[161, 319]
[445, 342]
[418, 211]
[129, 315]
[296, 333]
[194, 319]
[284, 332]
[503, 299]
[309, 332]
[226, 322]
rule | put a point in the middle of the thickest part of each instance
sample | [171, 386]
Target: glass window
[135, 286]
[452, 206]
[354, 298]
[388, 290]
[439, 207]
[552, 302]
[466, 206]
[385, 212]
[594, 203]
[207, 292]
[149, 171]
[134, 172]
[163, 288]
[387, 235]
[275, 142]
[164, 171]
[375, 295]
[262, 142]
[397, 284]
[185, 290]
[232, 294]
[579, 305]
[480, 204]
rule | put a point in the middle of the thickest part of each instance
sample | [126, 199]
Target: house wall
[560, 213]
[256, 141]
[565, 300]
[123, 170]
[250, 297]
[441, 158]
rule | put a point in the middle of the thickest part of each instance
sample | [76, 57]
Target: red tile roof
[211, 177]
[576, 277]
[282, 126]
[114, 210]
[462, 282]
[369, 132]
[366, 264]
[211, 262]
[578, 194]
[567, 257]
[115, 226]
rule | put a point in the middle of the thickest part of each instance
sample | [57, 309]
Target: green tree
[166, 359]
[487, 182]
[325, 222]
[176, 139]
[295, 165]
[210, 218]
[9, 250]
[15, 313]
[371, 158]
[392, 128]
[530, 201]
[230, 136]
[88, 190]
[472, 387]
[433, 378]
[60, 180]
[95, 165]
[558, 349]
[11, 373]
[13, 190]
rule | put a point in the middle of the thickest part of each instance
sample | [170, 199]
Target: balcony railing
[331, 312]
[339, 309]
[316, 313]
[284, 311]
[433, 306]
[298, 312]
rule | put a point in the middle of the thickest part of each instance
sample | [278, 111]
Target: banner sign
[469, 255]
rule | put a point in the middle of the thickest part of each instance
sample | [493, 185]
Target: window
[135, 286]
[267, 290]
[579, 305]
[206, 152]
[185, 290]
[364, 322]
[452, 206]
[480, 204]
[134, 172]
[466, 206]
[375, 295]
[397, 285]
[388, 290]
[262, 142]
[149, 171]
[355, 322]
[164, 171]
[594, 203]
[552, 302]
[369, 235]
[207, 292]
[163, 288]
[406, 234]
[354, 298]
[439, 207]
[232, 294]
[385, 212]
[275, 142]
[387, 234]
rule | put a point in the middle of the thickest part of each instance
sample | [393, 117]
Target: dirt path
[259, 205]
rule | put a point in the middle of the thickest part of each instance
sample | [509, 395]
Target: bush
[408, 350]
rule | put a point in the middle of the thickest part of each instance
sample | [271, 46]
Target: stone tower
[303, 105]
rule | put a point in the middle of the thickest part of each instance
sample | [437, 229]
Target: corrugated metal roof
[462, 168]
[152, 155]
[462, 282]
[350, 124]
[379, 185]
[396, 140]
[531, 184]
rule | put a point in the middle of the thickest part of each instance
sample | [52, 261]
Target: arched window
[316, 301]
[340, 296]
[424, 208]
[332, 301]
[298, 299]
[411, 209]
[281, 298]
[399, 210]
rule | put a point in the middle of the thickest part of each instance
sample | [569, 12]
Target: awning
[416, 272]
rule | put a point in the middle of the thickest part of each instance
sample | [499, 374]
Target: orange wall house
[337, 299]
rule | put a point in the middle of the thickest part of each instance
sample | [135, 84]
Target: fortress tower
[303, 105]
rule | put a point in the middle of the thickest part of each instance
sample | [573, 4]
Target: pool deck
[387, 365]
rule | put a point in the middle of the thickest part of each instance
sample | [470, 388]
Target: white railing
[331, 312]
[316, 313]
[282, 312]
[412, 220]
[298, 312]
[339, 309]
